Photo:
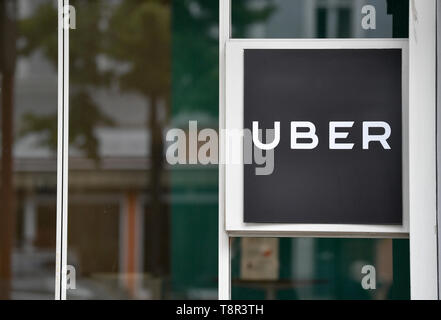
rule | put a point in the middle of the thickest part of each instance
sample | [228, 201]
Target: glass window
[317, 268]
[28, 157]
[320, 18]
[139, 228]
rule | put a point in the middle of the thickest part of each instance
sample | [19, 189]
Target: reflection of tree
[137, 36]
[85, 115]
[82, 126]
[244, 15]
[140, 36]
[7, 69]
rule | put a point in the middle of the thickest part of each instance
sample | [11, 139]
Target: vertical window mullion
[62, 151]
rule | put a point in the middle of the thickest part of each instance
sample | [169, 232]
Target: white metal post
[63, 147]
[224, 241]
[438, 126]
[422, 146]
[59, 151]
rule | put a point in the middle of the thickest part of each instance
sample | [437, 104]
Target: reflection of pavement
[113, 286]
[33, 274]
[33, 288]
[34, 279]
[90, 289]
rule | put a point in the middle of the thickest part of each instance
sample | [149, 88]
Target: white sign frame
[234, 121]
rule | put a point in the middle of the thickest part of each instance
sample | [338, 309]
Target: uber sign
[339, 114]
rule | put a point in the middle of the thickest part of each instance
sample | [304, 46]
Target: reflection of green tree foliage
[195, 57]
[244, 15]
[139, 36]
[195, 50]
[81, 134]
[85, 115]
[38, 31]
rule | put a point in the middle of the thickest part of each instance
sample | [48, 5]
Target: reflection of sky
[36, 93]
[35, 86]
[25, 8]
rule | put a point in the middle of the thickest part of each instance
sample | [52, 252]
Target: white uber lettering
[310, 134]
[266, 146]
[367, 138]
[333, 135]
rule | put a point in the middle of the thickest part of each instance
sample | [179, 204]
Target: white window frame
[422, 143]
[422, 157]
[438, 127]
[62, 154]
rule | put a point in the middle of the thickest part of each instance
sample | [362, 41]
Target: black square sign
[339, 159]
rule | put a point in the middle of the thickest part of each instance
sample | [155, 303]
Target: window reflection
[318, 19]
[28, 90]
[138, 228]
[310, 269]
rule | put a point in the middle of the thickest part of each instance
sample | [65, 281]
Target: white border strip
[62, 153]
[234, 121]
[59, 151]
[438, 136]
[65, 153]
[422, 143]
